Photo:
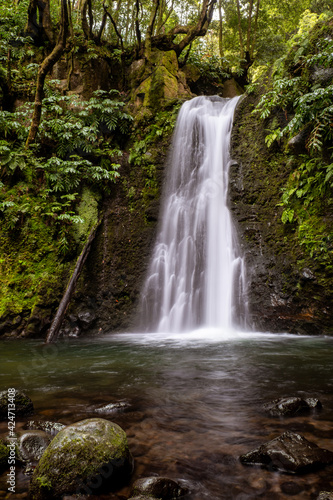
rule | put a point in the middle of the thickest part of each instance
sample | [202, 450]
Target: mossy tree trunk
[45, 67]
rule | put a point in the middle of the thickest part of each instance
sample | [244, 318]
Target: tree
[39, 24]
[45, 68]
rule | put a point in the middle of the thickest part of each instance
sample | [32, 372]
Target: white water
[196, 276]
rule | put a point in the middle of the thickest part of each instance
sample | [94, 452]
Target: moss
[77, 454]
[4, 454]
[88, 210]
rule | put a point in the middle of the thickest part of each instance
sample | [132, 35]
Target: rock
[31, 445]
[297, 144]
[325, 495]
[112, 407]
[86, 318]
[51, 428]
[144, 497]
[313, 403]
[322, 76]
[4, 453]
[289, 407]
[23, 405]
[83, 458]
[158, 487]
[289, 452]
[291, 488]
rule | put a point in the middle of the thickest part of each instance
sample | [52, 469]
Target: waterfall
[196, 273]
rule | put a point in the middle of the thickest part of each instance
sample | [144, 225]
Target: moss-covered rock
[23, 405]
[158, 81]
[85, 457]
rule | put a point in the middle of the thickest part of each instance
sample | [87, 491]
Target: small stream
[194, 402]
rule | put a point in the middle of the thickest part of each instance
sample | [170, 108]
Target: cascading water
[196, 273]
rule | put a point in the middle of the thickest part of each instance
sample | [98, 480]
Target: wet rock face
[84, 458]
[289, 407]
[23, 405]
[289, 452]
[158, 487]
[286, 290]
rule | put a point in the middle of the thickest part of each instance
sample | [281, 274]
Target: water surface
[194, 401]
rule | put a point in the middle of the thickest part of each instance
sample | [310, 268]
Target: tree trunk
[44, 69]
[87, 27]
[221, 31]
[249, 26]
[255, 29]
[240, 33]
[60, 314]
[137, 25]
[165, 41]
[39, 25]
[150, 30]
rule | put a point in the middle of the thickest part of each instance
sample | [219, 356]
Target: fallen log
[60, 314]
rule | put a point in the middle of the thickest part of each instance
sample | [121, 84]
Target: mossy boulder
[4, 453]
[23, 405]
[157, 82]
[84, 458]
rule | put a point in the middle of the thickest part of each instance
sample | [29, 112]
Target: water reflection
[194, 400]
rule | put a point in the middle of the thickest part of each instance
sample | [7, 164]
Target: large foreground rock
[289, 452]
[84, 458]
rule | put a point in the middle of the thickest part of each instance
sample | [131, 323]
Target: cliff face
[288, 291]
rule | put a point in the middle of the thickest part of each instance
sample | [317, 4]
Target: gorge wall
[288, 290]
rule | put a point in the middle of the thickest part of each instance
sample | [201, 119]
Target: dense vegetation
[62, 151]
[302, 88]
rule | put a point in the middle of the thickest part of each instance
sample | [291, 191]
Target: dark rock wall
[109, 288]
[287, 290]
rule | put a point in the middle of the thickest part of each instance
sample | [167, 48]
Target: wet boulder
[158, 487]
[289, 407]
[51, 428]
[289, 452]
[23, 406]
[84, 458]
[31, 445]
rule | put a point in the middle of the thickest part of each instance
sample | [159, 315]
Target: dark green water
[194, 402]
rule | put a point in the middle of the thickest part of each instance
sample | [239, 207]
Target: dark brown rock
[289, 452]
[158, 487]
[289, 407]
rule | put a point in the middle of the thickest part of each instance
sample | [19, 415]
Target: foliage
[204, 56]
[82, 137]
[304, 92]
